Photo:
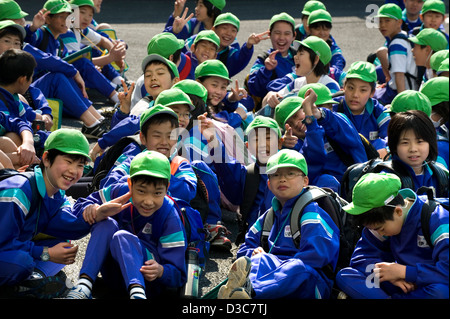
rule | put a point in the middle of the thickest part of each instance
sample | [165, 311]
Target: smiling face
[303, 65]
[432, 19]
[159, 138]
[64, 172]
[263, 143]
[413, 150]
[157, 78]
[183, 113]
[357, 92]
[147, 197]
[204, 50]
[217, 89]
[227, 34]
[201, 12]
[282, 36]
[297, 125]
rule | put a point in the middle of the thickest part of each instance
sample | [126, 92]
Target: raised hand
[256, 38]
[289, 140]
[113, 207]
[237, 93]
[270, 62]
[180, 22]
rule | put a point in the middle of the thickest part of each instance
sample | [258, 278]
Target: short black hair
[172, 75]
[159, 119]
[320, 69]
[442, 109]
[11, 31]
[273, 24]
[150, 180]
[212, 11]
[15, 64]
[378, 215]
[417, 121]
[318, 24]
[53, 153]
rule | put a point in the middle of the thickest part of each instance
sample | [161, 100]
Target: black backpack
[36, 197]
[356, 171]
[330, 202]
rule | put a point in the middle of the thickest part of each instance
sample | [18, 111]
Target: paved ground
[137, 22]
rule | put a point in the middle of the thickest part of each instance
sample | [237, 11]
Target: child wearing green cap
[35, 203]
[366, 113]
[140, 246]
[277, 62]
[301, 30]
[395, 259]
[206, 12]
[411, 14]
[312, 64]
[433, 16]
[205, 47]
[396, 57]
[283, 269]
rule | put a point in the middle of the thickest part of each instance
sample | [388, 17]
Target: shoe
[221, 243]
[239, 293]
[237, 278]
[217, 230]
[95, 132]
[78, 292]
[42, 287]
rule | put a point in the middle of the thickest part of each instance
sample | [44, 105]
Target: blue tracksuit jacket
[10, 124]
[372, 123]
[425, 266]
[288, 271]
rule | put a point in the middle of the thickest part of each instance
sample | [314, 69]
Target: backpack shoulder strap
[442, 178]
[428, 207]
[175, 163]
[265, 232]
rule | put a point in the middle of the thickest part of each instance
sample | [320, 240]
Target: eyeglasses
[184, 116]
[288, 176]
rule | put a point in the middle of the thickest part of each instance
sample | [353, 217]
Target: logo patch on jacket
[422, 242]
[287, 231]
[147, 229]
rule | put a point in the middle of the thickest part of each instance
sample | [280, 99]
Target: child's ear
[280, 143]
[192, 48]
[45, 159]
[142, 138]
[129, 185]
[175, 80]
[305, 181]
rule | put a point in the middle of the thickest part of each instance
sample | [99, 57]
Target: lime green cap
[324, 95]
[282, 17]
[165, 44]
[410, 100]
[429, 36]
[390, 10]
[155, 110]
[208, 35]
[212, 68]
[69, 141]
[436, 89]
[10, 9]
[263, 121]
[364, 71]
[192, 87]
[219, 4]
[12, 24]
[286, 108]
[80, 3]
[174, 96]
[373, 190]
[312, 5]
[57, 6]
[286, 158]
[443, 67]
[433, 5]
[227, 18]
[156, 57]
[319, 46]
[437, 58]
[319, 15]
[150, 163]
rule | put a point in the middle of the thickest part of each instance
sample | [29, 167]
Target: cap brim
[148, 173]
[386, 16]
[71, 151]
[354, 210]
[276, 167]
[20, 28]
[153, 57]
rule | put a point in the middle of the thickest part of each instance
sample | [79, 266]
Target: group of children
[300, 121]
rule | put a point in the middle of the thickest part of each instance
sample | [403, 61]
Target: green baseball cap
[227, 18]
[69, 141]
[12, 24]
[390, 10]
[286, 108]
[286, 158]
[373, 190]
[316, 44]
[311, 6]
[429, 36]
[157, 57]
[174, 96]
[410, 100]
[150, 163]
[324, 95]
[10, 9]
[364, 71]
[80, 3]
[165, 44]
[189, 86]
[437, 58]
[57, 6]
[208, 35]
[263, 121]
[283, 16]
[443, 67]
[436, 89]
[433, 5]
[219, 4]
[155, 110]
[212, 68]
[319, 15]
